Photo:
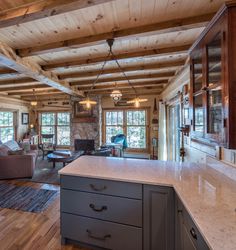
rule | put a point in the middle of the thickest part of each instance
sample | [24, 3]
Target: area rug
[26, 199]
[45, 173]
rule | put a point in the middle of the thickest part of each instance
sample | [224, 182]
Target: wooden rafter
[46, 97]
[23, 88]
[128, 68]
[141, 91]
[41, 9]
[164, 75]
[155, 28]
[134, 83]
[125, 86]
[29, 68]
[39, 92]
[17, 81]
[7, 71]
[129, 55]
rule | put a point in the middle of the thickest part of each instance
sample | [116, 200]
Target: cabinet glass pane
[214, 94]
[197, 70]
[214, 61]
[215, 111]
[198, 113]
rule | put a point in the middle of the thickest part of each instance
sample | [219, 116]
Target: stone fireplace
[81, 129]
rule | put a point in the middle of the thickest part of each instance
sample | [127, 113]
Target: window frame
[56, 125]
[125, 126]
[14, 125]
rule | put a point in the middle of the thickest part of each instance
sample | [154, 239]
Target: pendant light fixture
[87, 102]
[137, 101]
[116, 94]
[34, 103]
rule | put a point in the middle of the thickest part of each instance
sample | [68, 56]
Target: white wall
[19, 107]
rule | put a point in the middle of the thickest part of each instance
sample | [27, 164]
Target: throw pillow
[16, 152]
[12, 145]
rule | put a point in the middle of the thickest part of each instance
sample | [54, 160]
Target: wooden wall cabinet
[213, 81]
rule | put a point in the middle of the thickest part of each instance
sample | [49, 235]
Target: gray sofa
[14, 165]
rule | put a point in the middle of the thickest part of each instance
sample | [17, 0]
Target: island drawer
[101, 233]
[190, 228]
[107, 187]
[116, 209]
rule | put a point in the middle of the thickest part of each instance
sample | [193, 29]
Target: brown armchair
[17, 166]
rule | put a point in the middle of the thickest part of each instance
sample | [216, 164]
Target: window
[136, 129]
[132, 123]
[57, 124]
[7, 131]
[114, 124]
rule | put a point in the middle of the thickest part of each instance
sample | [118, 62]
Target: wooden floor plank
[38, 231]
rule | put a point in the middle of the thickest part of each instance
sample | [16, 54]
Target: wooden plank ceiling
[57, 47]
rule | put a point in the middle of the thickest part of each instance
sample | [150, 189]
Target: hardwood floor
[30, 231]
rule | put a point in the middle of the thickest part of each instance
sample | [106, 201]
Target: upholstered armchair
[14, 166]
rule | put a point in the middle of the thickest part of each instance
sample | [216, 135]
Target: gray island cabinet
[106, 214]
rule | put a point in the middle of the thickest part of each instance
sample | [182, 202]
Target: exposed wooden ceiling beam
[162, 75]
[17, 81]
[22, 88]
[47, 97]
[125, 86]
[130, 93]
[155, 28]
[41, 9]
[29, 68]
[7, 71]
[129, 55]
[36, 93]
[145, 82]
[152, 66]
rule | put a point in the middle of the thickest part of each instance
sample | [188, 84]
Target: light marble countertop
[208, 195]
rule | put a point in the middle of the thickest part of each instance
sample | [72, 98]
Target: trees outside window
[57, 124]
[132, 123]
[7, 130]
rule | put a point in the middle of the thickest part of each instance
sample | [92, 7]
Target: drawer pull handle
[97, 237]
[97, 209]
[97, 189]
[193, 233]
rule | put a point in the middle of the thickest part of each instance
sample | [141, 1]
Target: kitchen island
[208, 197]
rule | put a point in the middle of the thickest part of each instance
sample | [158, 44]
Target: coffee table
[64, 156]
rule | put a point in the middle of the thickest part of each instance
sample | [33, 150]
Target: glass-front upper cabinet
[213, 81]
[198, 94]
[214, 86]
[197, 70]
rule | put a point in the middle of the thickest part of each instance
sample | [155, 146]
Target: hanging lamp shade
[87, 102]
[116, 95]
[33, 103]
[137, 101]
